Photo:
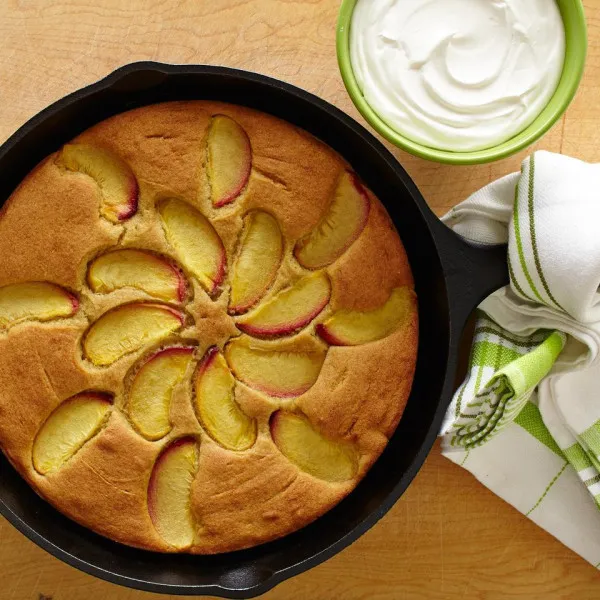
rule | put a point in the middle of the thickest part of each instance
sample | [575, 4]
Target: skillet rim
[131, 79]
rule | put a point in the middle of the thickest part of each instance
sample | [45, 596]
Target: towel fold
[526, 420]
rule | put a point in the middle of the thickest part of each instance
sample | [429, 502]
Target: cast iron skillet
[451, 276]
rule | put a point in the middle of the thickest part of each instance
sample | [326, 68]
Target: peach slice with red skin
[291, 309]
[195, 241]
[169, 492]
[229, 160]
[36, 301]
[68, 428]
[344, 221]
[215, 404]
[117, 183]
[146, 271]
[128, 328]
[282, 371]
[351, 328]
[310, 451]
[257, 262]
[149, 399]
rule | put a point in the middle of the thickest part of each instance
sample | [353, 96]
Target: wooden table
[448, 537]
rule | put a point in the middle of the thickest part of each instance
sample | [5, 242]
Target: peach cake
[208, 329]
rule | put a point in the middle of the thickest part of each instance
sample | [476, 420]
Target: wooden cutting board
[448, 537]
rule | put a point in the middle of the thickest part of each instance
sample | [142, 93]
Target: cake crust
[51, 228]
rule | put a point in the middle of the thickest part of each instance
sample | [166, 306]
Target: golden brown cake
[208, 329]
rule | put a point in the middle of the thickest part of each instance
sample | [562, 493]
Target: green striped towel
[526, 420]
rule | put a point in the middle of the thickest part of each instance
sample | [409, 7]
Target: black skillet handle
[473, 271]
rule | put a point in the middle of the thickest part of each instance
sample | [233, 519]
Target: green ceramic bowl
[576, 38]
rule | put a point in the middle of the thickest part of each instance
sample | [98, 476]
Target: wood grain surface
[448, 537]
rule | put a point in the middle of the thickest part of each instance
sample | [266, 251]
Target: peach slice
[139, 269]
[343, 222]
[35, 300]
[350, 328]
[290, 310]
[216, 407]
[257, 263]
[150, 393]
[68, 428]
[282, 371]
[169, 491]
[229, 160]
[195, 242]
[310, 451]
[128, 328]
[118, 185]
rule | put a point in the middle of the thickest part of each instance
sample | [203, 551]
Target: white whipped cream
[457, 75]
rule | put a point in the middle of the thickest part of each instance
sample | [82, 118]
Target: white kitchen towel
[526, 421]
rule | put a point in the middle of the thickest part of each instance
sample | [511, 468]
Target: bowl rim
[573, 16]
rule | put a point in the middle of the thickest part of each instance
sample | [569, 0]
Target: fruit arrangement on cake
[208, 328]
